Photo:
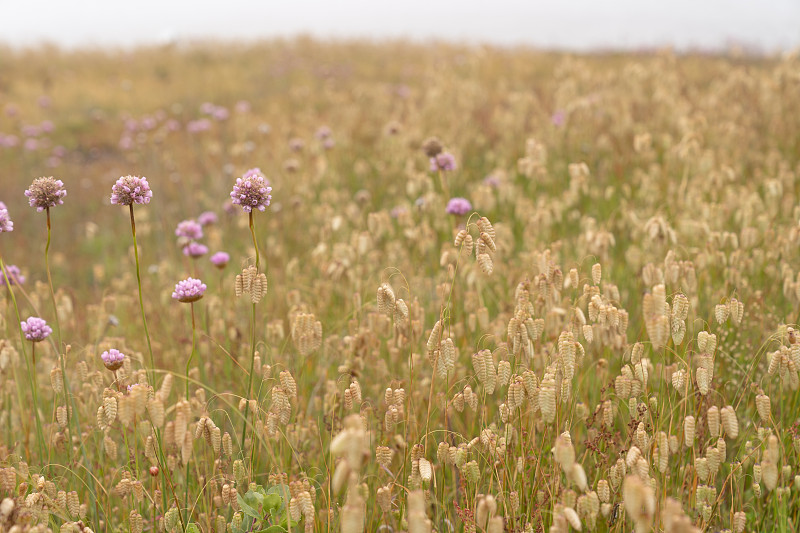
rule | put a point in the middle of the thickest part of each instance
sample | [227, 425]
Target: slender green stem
[34, 391]
[252, 341]
[141, 301]
[39, 432]
[50, 281]
[191, 355]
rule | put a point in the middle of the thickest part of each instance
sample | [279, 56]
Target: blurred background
[707, 25]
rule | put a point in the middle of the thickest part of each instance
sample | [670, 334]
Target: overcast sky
[769, 25]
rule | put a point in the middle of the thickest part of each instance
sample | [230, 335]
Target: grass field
[494, 290]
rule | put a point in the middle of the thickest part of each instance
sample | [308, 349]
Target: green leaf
[272, 502]
[273, 529]
[247, 509]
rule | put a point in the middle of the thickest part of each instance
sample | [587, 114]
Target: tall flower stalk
[189, 291]
[128, 191]
[252, 191]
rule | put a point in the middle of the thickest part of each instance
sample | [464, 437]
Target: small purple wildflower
[558, 118]
[492, 181]
[252, 191]
[296, 144]
[196, 126]
[6, 224]
[220, 260]
[220, 114]
[15, 277]
[458, 206]
[443, 161]
[195, 250]
[189, 229]
[323, 132]
[35, 329]
[207, 218]
[242, 106]
[112, 359]
[189, 290]
[45, 193]
[129, 190]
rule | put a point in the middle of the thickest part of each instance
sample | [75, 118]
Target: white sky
[769, 25]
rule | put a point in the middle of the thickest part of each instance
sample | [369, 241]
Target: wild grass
[603, 337]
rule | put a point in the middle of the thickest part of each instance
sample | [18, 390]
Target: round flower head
[207, 218]
[112, 359]
[189, 229]
[6, 224]
[195, 250]
[458, 206]
[443, 161]
[15, 277]
[220, 260]
[252, 191]
[129, 190]
[35, 329]
[189, 290]
[45, 193]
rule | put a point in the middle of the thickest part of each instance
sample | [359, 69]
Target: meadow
[441, 289]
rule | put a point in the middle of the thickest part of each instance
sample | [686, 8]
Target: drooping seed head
[35, 329]
[252, 191]
[189, 290]
[129, 190]
[45, 193]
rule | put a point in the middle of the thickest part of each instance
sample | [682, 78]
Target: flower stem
[39, 433]
[252, 341]
[50, 281]
[191, 355]
[141, 301]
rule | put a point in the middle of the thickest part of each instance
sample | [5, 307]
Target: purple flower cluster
[195, 250]
[189, 290]
[112, 359]
[45, 193]
[458, 206]
[6, 224]
[15, 277]
[35, 329]
[129, 190]
[207, 218]
[443, 161]
[189, 229]
[252, 191]
[220, 260]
